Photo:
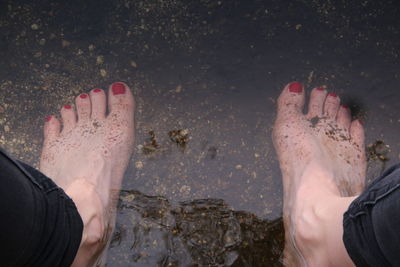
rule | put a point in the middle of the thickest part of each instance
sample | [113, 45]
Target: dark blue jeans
[372, 223]
[40, 225]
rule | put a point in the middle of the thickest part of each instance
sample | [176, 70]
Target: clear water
[214, 70]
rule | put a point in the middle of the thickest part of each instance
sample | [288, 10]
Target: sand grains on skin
[88, 158]
[321, 154]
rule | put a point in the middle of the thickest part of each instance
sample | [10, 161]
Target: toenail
[345, 106]
[320, 89]
[295, 87]
[48, 118]
[333, 95]
[361, 122]
[118, 88]
[67, 107]
[83, 96]
[97, 90]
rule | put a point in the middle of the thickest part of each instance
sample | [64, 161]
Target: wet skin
[88, 158]
[323, 165]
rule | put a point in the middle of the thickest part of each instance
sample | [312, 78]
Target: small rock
[35, 27]
[103, 72]
[185, 189]
[99, 60]
[6, 128]
[139, 165]
[91, 47]
[65, 43]
[38, 54]
[42, 41]
[238, 167]
[128, 198]
[178, 89]
[133, 64]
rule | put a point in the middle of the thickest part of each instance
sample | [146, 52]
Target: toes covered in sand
[120, 102]
[68, 116]
[99, 103]
[291, 100]
[331, 106]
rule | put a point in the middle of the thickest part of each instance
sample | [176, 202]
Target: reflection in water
[205, 232]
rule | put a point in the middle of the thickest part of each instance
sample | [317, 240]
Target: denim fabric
[371, 225]
[40, 225]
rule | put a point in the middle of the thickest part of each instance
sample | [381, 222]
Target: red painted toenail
[320, 89]
[67, 107]
[83, 96]
[48, 118]
[118, 88]
[332, 94]
[345, 106]
[295, 87]
[97, 90]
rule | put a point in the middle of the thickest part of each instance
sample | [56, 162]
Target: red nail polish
[320, 89]
[295, 87]
[118, 88]
[67, 107]
[83, 96]
[332, 94]
[345, 106]
[97, 90]
[48, 118]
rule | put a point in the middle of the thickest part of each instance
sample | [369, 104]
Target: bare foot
[88, 158]
[321, 155]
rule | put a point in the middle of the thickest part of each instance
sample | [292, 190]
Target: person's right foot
[322, 151]
[88, 158]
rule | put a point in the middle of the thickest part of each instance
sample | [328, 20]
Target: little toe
[331, 105]
[357, 133]
[121, 102]
[51, 128]
[98, 101]
[316, 105]
[83, 107]
[291, 100]
[344, 116]
[68, 117]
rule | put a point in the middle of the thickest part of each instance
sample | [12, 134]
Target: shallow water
[214, 70]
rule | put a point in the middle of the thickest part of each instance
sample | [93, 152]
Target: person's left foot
[88, 158]
[321, 152]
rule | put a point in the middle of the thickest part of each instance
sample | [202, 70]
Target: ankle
[90, 208]
[310, 218]
[92, 212]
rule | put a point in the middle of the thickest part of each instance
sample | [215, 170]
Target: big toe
[291, 100]
[121, 102]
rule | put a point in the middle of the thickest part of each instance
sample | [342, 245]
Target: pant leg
[372, 223]
[40, 225]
